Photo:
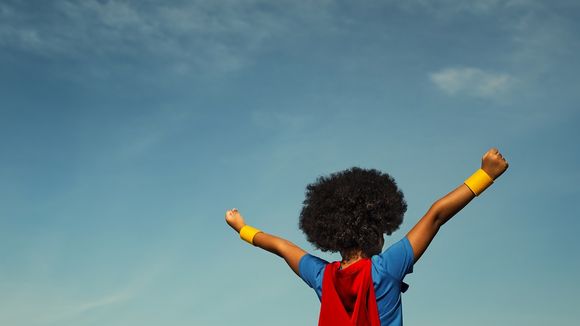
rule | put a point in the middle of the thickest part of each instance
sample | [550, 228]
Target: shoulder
[309, 262]
[311, 270]
[396, 260]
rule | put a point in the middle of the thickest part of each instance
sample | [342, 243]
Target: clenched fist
[493, 163]
[235, 219]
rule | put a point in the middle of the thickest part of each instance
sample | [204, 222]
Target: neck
[351, 257]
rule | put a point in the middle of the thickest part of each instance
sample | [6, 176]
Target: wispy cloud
[471, 81]
[280, 120]
[34, 303]
[114, 298]
[477, 7]
[185, 36]
[73, 310]
[544, 40]
[33, 307]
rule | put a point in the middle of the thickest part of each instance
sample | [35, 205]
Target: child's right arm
[281, 247]
[445, 208]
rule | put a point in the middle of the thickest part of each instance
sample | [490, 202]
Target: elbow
[436, 212]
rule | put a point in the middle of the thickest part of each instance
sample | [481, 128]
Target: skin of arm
[445, 208]
[283, 248]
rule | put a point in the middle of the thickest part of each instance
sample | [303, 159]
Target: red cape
[348, 296]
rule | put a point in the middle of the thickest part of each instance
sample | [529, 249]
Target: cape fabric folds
[348, 296]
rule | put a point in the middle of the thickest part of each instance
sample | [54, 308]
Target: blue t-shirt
[388, 271]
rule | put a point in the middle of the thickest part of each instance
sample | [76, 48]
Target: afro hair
[351, 210]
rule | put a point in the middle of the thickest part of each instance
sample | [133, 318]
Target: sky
[128, 128]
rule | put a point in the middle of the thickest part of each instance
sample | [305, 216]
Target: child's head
[350, 211]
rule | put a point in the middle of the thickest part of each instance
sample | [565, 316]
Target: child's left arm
[445, 208]
[276, 245]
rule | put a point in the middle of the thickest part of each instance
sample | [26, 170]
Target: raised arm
[290, 252]
[445, 208]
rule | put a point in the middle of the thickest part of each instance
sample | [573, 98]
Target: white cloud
[472, 81]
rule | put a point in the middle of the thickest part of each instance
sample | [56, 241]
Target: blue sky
[127, 128]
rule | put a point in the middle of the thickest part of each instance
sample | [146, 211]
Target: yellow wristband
[247, 233]
[478, 182]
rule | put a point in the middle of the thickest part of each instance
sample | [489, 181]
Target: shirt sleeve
[311, 270]
[398, 259]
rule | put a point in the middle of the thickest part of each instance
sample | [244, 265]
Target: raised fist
[235, 219]
[493, 163]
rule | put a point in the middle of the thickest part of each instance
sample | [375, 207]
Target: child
[348, 212]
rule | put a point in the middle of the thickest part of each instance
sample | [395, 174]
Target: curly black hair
[350, 210]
